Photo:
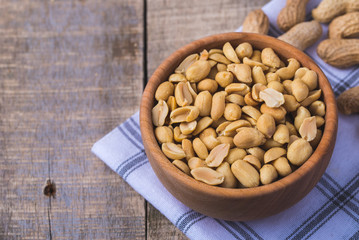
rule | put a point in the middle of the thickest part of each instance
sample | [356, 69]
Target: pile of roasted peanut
[238, 117]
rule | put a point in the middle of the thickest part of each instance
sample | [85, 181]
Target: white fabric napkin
[329, 211]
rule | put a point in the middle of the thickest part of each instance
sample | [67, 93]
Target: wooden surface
[70, 71]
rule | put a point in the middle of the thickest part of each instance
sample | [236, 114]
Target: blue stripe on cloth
[193, 222]
[129, 159]
[133, 131]
[140, 164]
[327, 211]
[186, 221]
[251, 230]
[234, 234]
[132, 163]
[135, 123]
[355, 236]
[239, 230]
[182, 216]
[349, 81]
[125, 134]
[329, 178]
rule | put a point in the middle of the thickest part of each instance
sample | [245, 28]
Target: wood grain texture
[70, 72]
[171, 25]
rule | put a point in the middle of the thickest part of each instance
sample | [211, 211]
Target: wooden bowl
[249, 203]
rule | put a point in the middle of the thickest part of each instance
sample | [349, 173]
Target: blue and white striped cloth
[329, 211]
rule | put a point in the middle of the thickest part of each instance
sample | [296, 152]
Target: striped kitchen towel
[329, 211]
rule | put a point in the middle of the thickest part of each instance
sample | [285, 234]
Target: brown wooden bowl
[238, 204]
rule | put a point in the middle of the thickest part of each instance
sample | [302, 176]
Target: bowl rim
[147, 129]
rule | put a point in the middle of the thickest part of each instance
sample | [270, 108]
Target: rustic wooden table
[70, 71]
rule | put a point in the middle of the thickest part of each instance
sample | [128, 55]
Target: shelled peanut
[238, 117]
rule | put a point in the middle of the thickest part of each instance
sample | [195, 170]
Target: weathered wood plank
[70, 71]
[172, 24]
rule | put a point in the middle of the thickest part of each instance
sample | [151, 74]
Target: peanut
[229, 179]
[229, 52]
[268, 174]
[248, 137]
[235, 154]
[273, 154]
[348, 101]
[218, 105]
[346, 26]
[182, 94]
[271, 97]
[217, 155]
[182, 68]
[199, 148]
[159, 113]
[242, 72]
[198, 70]
[246, 174]
[207, 175]
[253, 160]
[232, 112]
[299, 152]
[184, 114]
[202, 124]
[224, 78]
[266, 125]
[329, 9]
[207, 85]
[164, 134]
[173, 151]
[282, 166]
[256, 22]
[303, 34]
[308, 129]
[182, 166]
[288, 72]
[269, 58]
[188, 149]
[281, 134]
[292, 14]
[196, 162]
[204, 103]
[244, 50]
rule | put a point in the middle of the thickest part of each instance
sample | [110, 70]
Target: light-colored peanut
[268, 174]
[224, 78]
[230, 180]
[192, 89]
[177, 77]
[276, 86]
[256, 89]
[164, 134]
[308, 129]
[246, 174]
[196, 162]
[209, 138]
[270, 58]
[183, 95]
[188, 127]
[215, 50]
[273, 154]
[218, 105]
[218, 122]
[258, 75]
[277, 113]
[287, 84]
[256, 56]
[171, 103]
[237, 88]
[207, 84]
[292, 138]
[270, 77]
[317, 108]
[204, 55]
[319, 121]
[346, 26]
[248, 99]
[164, 90]
[266, 125]
[231, 127]
[184, 114]
[282, 166]
[178, 135]
[235, 98]
[235, 154]
[253, 160]
[252, 112]
[315, 142]
[248, 137]
[243, 72]
[219, 58]
[309, 77]
[302, 113]
[199, 148]
[221, 67]
[188, 149]
[312, 96]
[271, 143]
[198, 71]
[303, 35]
[207, 175]
[159, 113]
[299, 152]
[289, 71]
[290, 103]
[182, 68]
[227, 140]
[204, 103]
[253, 63]
[244, 50]
[281, 134]
[232, 112]
[173, 151]
[291, 128]
[257, 152]
[182, 166]
[217, 155]
[252, 121]
[229, 52]
[271, 97]
[202, 124]
[300, 90]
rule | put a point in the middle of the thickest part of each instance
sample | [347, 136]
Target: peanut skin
[327, 10]
[292, 14]
[345, 26]
[348, 101]
[303, 34]
[256, 22]
[341, 53]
